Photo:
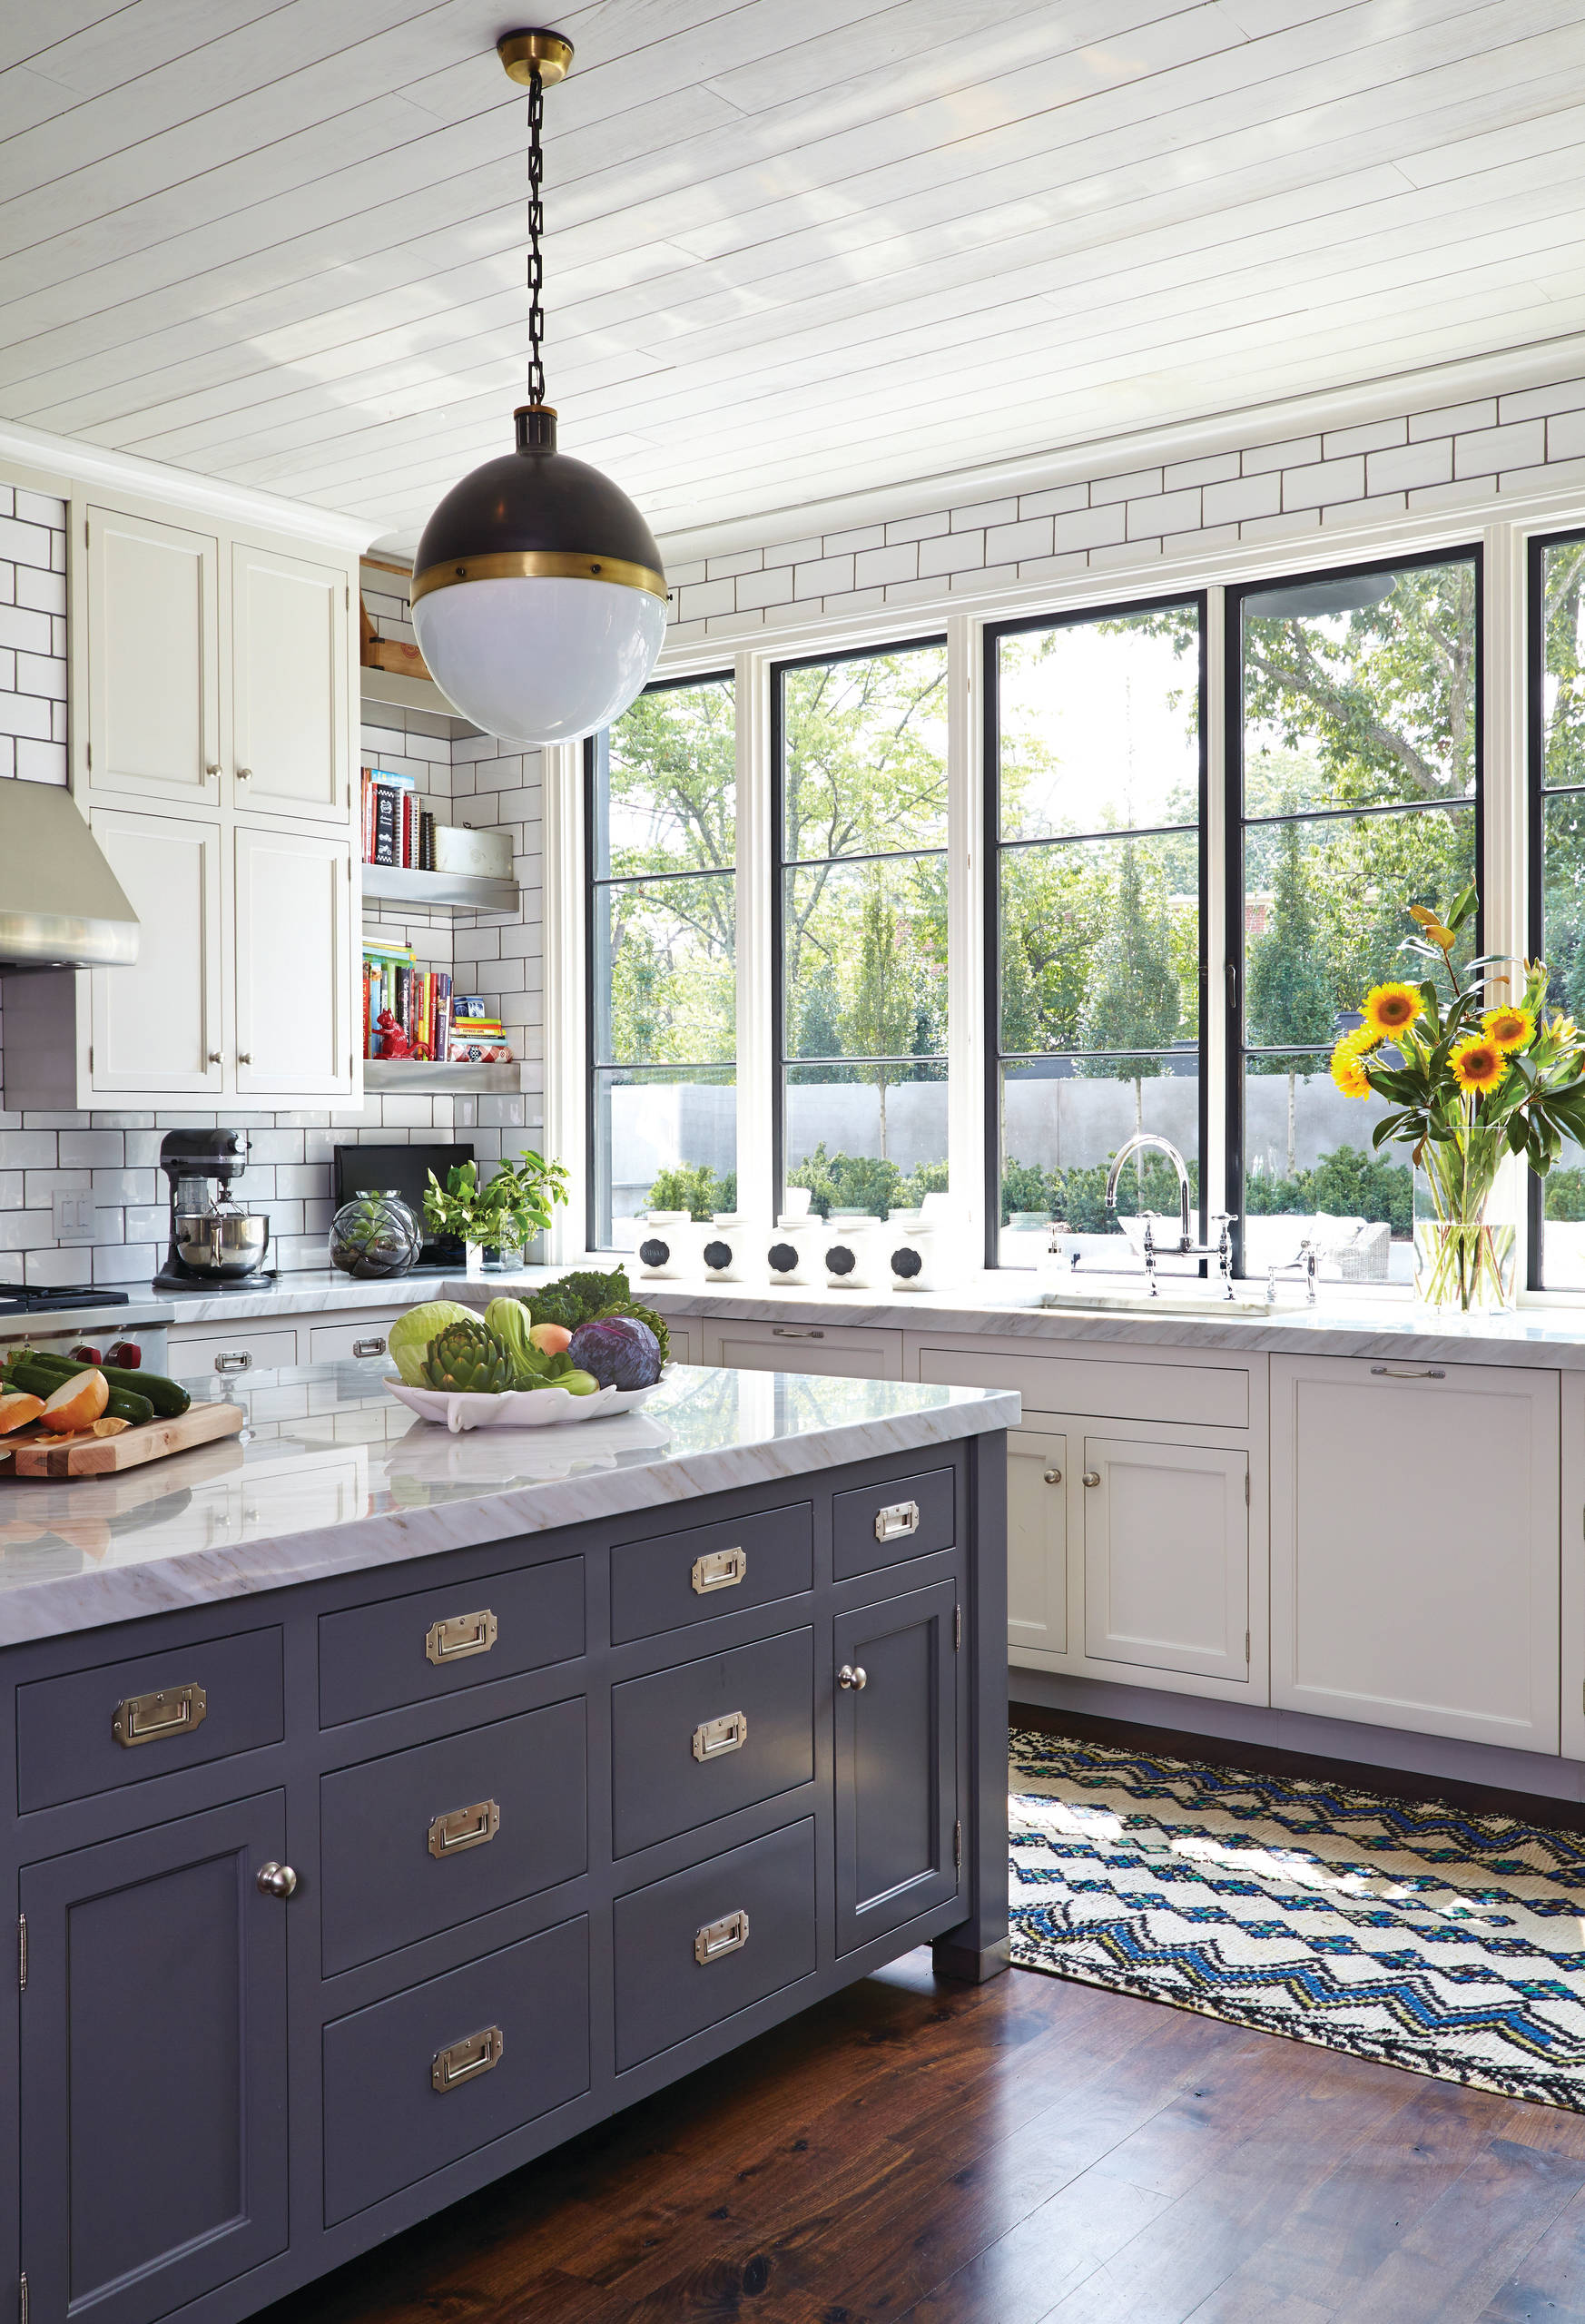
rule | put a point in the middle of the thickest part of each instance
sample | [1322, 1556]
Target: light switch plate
[76, 1218]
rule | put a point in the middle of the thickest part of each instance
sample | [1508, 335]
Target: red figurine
[394, 1041]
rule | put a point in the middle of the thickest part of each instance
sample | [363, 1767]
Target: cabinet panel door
[153, 660]
[1166, 1557]
[154, 2067]
[1414, 1546]
[159, 1025]
[836, 1350]
[289, 737]
[294, 965]
[1037, 1542]
[896, 1762]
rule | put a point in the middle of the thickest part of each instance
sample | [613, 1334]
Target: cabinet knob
[1092, 1476]
[216, 1058]
[211, 772]
[852, 1678]
[1053, 1476]
[244, 775]
[245, 1057]
[276, 1880]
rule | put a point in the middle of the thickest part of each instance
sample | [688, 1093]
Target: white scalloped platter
[516, 1408]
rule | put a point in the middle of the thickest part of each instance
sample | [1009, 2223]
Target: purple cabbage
[621, 1353]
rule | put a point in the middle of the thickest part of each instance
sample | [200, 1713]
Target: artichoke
[467, 1358]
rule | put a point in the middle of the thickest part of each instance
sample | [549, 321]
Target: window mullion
[756, 1062]
[967, 966]
[1215, 887]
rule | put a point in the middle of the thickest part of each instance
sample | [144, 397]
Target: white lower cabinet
[1415, 1548]
[1037, 1490]
[1166, 1557]
[841, 1350]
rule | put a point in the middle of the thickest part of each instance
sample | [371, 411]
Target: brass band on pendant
[538, 564]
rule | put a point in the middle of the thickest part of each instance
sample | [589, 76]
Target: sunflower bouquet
[1470, 1077]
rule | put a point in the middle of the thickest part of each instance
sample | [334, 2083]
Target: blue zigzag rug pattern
[1413, 1933]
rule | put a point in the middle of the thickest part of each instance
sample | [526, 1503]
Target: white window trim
[1504, 528]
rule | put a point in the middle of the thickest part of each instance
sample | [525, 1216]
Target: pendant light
[538, 597]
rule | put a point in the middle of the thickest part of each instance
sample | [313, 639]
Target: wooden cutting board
[33, 1452]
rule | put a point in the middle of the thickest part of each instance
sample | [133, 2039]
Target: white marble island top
[332, 1475]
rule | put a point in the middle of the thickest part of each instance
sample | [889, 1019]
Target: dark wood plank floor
[1020, 2151]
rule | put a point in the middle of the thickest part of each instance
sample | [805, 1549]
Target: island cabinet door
[896, 1711]
[1415, 1545]
[154, 2067]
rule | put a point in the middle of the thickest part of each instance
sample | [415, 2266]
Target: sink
[1175, 1296]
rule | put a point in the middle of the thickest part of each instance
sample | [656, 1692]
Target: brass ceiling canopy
[521, 52]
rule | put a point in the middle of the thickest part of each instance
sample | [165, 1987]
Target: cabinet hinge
[88, 756]
[85, 532]
[21, 2295]
[22, 1951]
[90, 1057]
[1247, 1646]
[1246, 1488]
[957, 1847]
[957, 1627]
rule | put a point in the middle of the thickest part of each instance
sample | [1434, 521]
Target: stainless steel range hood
[60, 905]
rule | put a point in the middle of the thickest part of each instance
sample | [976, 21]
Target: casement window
[1556, 631]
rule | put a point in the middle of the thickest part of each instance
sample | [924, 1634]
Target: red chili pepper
[127, 1354]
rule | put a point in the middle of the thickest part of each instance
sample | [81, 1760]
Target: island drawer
[427, 1838]
[121, 1722]
[415, 2082]
[693, 1743]
[880, 1525]
[442, 1641]
[670, 1580]
[695, 1949]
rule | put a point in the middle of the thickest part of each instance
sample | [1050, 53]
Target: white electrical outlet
[76, 1218]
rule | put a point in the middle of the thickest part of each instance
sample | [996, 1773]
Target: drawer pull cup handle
[238, 1360]
[718, 1938]
[722, 1570]
[153, 1719]
[465, 2060]
[460, 1635]
[899, 1517]
[463, 1827]
[713, 1738]
[852, 1678]
[369, 1347]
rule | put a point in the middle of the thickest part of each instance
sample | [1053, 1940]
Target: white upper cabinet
[152, 606]
[294, 964]
[291, 749]
[157, 1026]
[1415, 1546]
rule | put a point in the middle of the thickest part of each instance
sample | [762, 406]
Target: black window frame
[1074, 617]
[1536, 795]
[781, 862]
[1471, 553]
[592, 1065]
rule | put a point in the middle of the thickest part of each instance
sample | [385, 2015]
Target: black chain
[535, 227]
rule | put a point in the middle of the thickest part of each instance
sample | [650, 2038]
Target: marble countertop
[332, 1475]
[1004, 1303]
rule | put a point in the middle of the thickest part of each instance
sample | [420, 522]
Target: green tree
[1134, 1002]
[883, 1014]
[1290, 997]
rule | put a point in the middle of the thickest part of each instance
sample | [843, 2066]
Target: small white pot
[912, 1258]
[792, 1250]
[724, 1248]
[850, 1254]
[668, 1246]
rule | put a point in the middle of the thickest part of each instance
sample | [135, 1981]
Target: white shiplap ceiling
[795, 248]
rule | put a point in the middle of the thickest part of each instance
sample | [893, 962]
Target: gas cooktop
[29, 1299]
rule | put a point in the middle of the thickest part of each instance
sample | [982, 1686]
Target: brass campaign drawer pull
[715, 1736]
[151, 1719]
[717, 1938]
[465, 2060]
[899, 1517]
[465, 1827]
[722, 1570]
[461, 1635]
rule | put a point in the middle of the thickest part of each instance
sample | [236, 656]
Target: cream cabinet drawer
[229, 1354]
[849, 1351]
[347, 1343]
[1201, 1395]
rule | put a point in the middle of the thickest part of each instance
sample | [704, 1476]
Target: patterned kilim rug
[1410, 1931]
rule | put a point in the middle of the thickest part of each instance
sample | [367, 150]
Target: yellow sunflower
[1478, 1063]
[1347, 1066]
[1509, 1028]
[1389, 1008]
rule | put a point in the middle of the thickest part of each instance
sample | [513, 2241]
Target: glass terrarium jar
[375, 1235]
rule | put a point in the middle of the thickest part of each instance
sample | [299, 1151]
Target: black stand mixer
[213, 1240]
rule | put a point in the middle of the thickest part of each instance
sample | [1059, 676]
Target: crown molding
[68, 461]
[1541, 363]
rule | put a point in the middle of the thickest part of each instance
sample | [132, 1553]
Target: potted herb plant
[516, 1204]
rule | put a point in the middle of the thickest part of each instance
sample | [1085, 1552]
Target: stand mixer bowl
[222, 1242]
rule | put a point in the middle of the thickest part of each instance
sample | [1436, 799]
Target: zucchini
[151, 1387]
[42, 1379]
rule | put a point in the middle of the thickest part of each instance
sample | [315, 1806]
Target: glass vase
[1465, 1262]
[374, 1236]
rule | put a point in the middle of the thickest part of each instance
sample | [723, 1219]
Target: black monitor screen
[405, 1170]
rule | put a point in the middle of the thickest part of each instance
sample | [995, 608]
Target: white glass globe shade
[540, 659]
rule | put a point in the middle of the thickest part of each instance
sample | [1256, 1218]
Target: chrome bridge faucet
[1185, 1247]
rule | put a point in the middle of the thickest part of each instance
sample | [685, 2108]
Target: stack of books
[397, 828]
[418, 999]
[477, 1039]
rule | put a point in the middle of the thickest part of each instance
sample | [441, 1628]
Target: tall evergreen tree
[1292, 1000]
[1134, 1000]
[880, 1021]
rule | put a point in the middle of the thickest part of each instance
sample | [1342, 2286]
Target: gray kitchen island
[380, 1807]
